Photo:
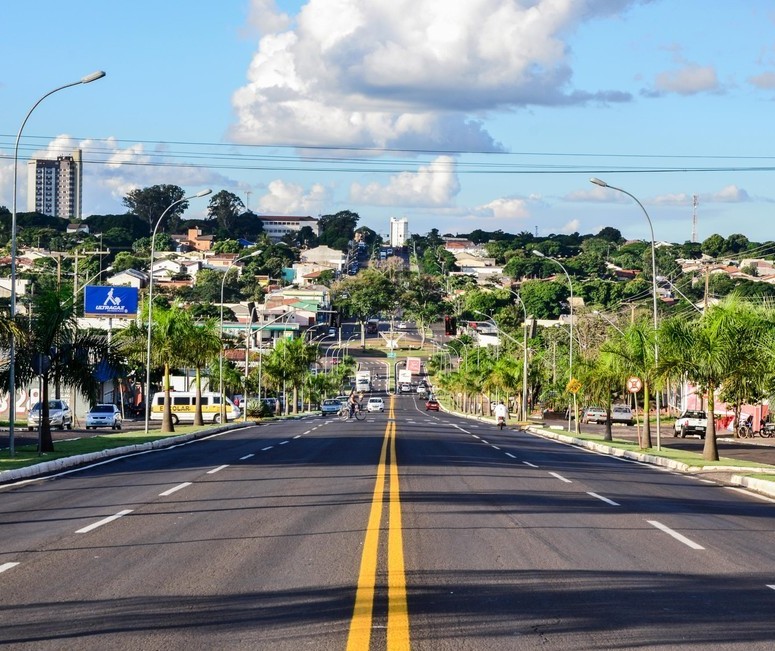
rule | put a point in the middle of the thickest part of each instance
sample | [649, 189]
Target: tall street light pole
[570, 344]
[148, 395]
[524, 359]
[603, 184]
[94, 76]
[220, 355]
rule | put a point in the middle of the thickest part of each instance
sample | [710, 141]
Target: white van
[183, 405]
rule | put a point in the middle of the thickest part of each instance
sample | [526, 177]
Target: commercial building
[277, 227]
[55, 187]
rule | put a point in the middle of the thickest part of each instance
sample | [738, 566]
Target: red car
[432, 405]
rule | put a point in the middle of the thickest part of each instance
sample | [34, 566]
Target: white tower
[399, 232]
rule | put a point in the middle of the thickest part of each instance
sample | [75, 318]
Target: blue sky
[456, 114]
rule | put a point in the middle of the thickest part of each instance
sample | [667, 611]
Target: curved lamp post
[148, 396]
[524, 359]
[94, 76]
[220, 330]
[603, 184]
[570, 344]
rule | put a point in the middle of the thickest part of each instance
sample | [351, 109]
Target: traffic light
[447, 325]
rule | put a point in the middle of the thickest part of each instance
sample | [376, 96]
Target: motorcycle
[501, 422]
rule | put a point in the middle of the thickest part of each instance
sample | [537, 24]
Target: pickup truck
[691, 422]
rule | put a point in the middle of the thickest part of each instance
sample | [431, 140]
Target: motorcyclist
[354, 401]
[501, 412]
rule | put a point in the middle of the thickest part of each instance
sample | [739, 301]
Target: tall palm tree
[202, 345]
[58, 352]
[168, 337]
[600, 380]
[712, 350]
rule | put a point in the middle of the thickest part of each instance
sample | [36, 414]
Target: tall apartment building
[55, 187]
[399, 232]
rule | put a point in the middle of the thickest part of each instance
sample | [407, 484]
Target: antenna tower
[695, 203]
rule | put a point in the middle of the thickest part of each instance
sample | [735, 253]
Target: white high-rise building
[399, 232]
[55, 187]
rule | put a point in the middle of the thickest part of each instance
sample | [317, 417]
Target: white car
[405, 388]
[622, 414]
[375, 404]
[59, 415]
[103, 416]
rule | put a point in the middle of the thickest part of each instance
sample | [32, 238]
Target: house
[194, 240]
[129, 278]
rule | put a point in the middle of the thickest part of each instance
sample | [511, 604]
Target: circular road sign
[634, 384]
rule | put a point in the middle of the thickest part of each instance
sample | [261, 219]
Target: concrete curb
[65, 463]
[753, 483]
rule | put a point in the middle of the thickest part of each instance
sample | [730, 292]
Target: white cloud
[673, 199]
[593, 194]
[290, 199]
[765, 81]
[730, 194]
[432, 185]
[688, 80]
[570, 227]
[408, 73]
[505, 208]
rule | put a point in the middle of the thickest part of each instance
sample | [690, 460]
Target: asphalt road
[406, 530]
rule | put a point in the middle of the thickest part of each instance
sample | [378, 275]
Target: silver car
[59, 415]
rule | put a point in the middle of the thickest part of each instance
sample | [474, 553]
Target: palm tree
[57, 352]
[600, 380]
[202, 345]
[168, 336]
[727, 340]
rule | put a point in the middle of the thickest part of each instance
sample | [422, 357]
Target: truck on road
[363, 381]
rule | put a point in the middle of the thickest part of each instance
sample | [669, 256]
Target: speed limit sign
[634, 384]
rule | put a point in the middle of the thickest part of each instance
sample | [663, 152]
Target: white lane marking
[214, 470]
[605, 499]
[532, 465]
[305, 433]
[298, 436]
[284, 442]
[94, 525]
[476, 437]
[473, 425]
[769, 585]
[483, 441]
[508, 454]
[561, 478]
[495, 447]
[670, 532]
[267, 448]
[175, 489]
[7, 566]
[247, 456]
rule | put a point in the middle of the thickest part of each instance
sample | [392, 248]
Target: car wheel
[675, 433]
[217, 419]
[29, 429]
[175, 419]
[683, 432]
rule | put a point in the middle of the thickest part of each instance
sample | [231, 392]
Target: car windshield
[102, 409]
[52, 404]
[694, 414]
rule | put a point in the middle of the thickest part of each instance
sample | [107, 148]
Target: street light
[94, 76]
[570, 343]
[524, 359]
[201, 193]
[220, 352]
[603, 184]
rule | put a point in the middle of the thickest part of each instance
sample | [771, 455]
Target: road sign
[634, 384]
[413, 364]
[391, 354]
[573, 385]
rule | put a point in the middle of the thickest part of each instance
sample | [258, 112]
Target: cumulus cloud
[570, 227]
[505, 208]
[284, 198]
[730, 194]
[433, 185]
[409, 73]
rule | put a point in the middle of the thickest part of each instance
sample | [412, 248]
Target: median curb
[65, 463]
[753, 483]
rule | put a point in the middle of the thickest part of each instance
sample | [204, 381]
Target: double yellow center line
[359, 637]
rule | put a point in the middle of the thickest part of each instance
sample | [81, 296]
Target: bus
[184, 407]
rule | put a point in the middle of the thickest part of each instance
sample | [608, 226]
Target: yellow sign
[573, 386]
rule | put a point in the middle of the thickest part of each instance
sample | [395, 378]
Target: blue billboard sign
[109, 301]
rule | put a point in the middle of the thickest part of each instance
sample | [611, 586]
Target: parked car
[622, 414]
[330, 406]
[375, 404]
[691, 422]
[594, 415]
[104, 415]
[432, 405]
[59, 415]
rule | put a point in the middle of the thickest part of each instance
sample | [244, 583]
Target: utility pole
[695, 203]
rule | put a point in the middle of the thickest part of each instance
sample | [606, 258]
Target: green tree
[423, 301]
[150, 203]
[55, 350]
[338, 230]
[544, 299]
[202, 345]
[363, 296]
[224, 208]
